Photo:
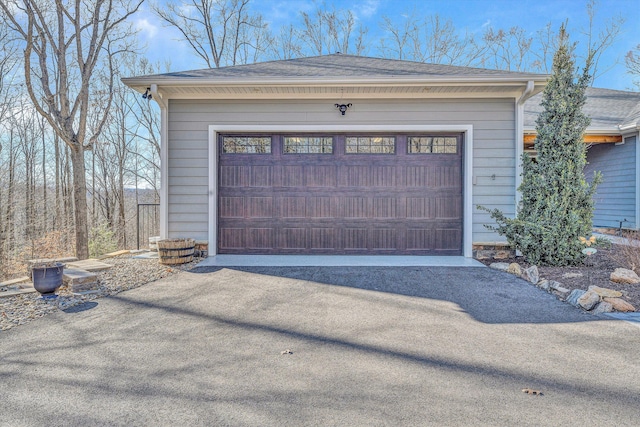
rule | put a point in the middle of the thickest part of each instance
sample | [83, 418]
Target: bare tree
[64, 43]
[431, 40]
[599, 43]
[221, 32]
[330, 31]
[508, 50]
[632, 61]
[287, 44]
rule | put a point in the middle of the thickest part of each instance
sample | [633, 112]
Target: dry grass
[55, 244]
[628, 255]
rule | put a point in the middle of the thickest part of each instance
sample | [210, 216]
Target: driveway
[369, 346]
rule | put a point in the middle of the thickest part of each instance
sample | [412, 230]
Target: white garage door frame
[467, 130]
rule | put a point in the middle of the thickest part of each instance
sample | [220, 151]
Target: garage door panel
[293, 238]
[355, 239]
[354, 207]
[290, 176]
[231, 207]
[383, 239]
[293, 207]
[259, 207]
[447, 238]
[385, 207]
[261, 176]
[321, 207]
[261, 238]
[324, 238]
[232, 239]
[321, 176]
[340, 203]
[447, 207]
[234, 176]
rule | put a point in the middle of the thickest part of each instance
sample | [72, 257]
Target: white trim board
[467, 130]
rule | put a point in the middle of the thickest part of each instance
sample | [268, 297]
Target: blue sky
[471, 16]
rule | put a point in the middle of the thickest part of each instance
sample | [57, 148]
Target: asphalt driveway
[369, 346]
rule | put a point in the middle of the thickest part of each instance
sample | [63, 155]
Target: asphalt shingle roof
[607, 108]
[345, 66]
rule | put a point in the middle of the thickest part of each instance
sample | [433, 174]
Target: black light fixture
[147, 94]
[343, 107]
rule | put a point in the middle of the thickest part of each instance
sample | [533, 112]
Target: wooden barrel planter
[175, 251]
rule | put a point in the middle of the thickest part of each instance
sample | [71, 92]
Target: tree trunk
[80, 202]
[57, 223]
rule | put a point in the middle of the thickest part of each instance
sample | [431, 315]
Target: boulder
[588, 300]
[603, 307]
[604, 292]
[619, 304]
[502, 266]
[574, 296]
[622, 275]
[531, 274]
[514, 268]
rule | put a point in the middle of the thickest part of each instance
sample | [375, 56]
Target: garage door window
[246, 144]
[308, 145]
[370, 145]
[432, 145]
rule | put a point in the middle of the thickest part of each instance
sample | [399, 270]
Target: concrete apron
[337, 261]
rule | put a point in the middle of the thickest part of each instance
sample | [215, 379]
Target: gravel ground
[126, 273]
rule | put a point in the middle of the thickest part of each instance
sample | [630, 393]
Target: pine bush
[557, 201]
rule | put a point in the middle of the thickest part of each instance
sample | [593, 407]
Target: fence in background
[148, 222]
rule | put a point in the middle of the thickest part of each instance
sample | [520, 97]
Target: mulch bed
[595, 271]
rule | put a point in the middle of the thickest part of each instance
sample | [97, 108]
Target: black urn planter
[47, 278]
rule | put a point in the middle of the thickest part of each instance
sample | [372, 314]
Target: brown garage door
[340, 194]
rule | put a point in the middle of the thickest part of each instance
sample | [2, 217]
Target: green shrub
[557, 201]
[102, 240]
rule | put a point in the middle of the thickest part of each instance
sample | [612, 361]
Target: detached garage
[338, 154]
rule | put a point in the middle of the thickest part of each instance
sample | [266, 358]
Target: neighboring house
[613, 137]
[339, 154]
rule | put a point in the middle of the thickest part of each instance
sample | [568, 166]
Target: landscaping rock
[502, 266]
[588, 300]
[15, 281]
[553, 285]
[531, 274]
[574, 296]
[604, 292]
[571, 275]
[561, 292]
[89, 265]
[514, 268]
[620, 304]
[623, 275]
[501, 255]
[543, 284]
[603, 307]
[74, 276]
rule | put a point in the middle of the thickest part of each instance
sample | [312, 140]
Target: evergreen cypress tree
[557, 201]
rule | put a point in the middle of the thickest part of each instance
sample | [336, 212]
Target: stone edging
[595, 300]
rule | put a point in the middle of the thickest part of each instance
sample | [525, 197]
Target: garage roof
[328, 75]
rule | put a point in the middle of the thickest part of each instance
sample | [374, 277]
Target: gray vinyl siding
[493, 123]
[615, 198]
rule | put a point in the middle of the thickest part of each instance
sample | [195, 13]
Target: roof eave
[394, 81]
